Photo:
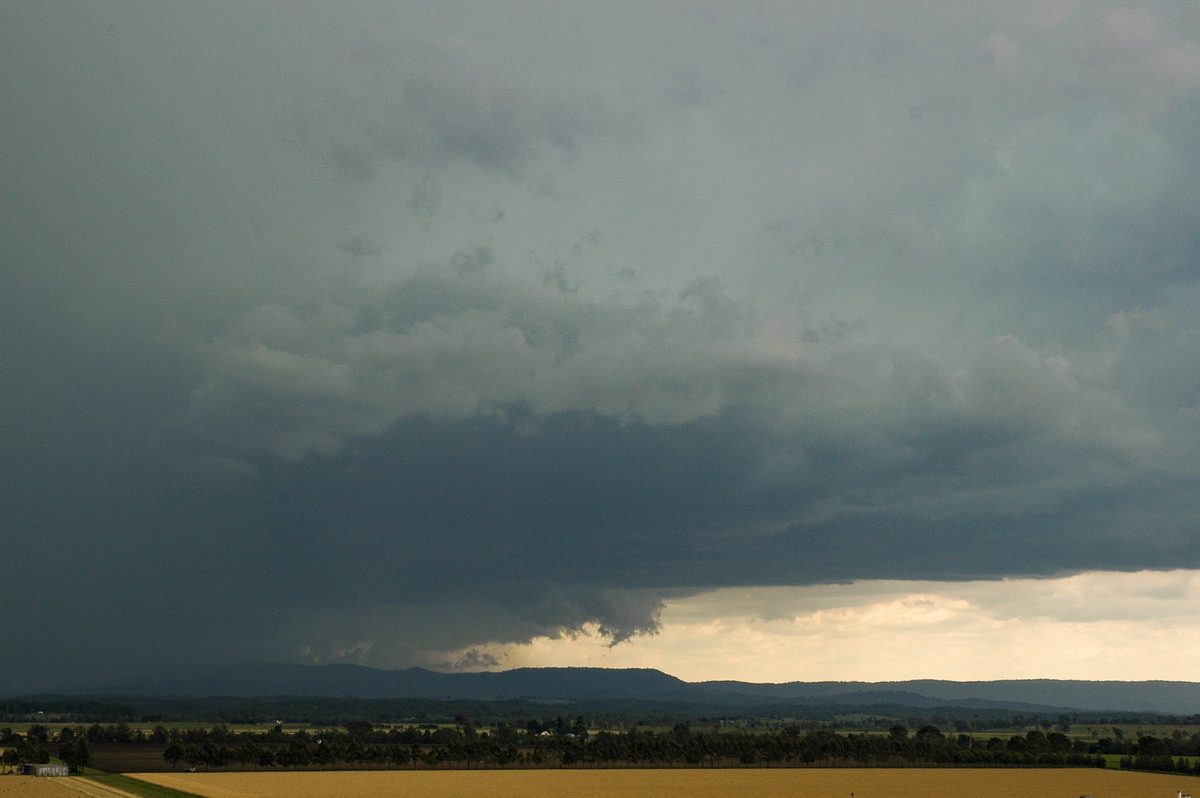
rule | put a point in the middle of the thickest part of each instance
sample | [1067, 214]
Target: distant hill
[566, 684]
[605, 684]
[1181, 698]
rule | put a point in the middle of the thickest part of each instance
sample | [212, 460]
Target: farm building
[45, 770]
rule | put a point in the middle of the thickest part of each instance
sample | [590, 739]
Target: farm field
[685, 783]
[55, 787]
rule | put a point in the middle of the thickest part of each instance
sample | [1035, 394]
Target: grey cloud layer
[470, 323]
[444, 106]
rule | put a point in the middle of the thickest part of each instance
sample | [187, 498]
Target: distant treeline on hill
[608, 713]
[563, 743]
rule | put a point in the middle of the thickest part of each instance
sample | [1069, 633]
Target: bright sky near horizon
[1094, 626]
[767, 341]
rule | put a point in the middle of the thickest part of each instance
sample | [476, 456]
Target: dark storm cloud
[456, 111]
[476, 259]
[635, 491]
[689, 89]
[778, 329]
[359, 247]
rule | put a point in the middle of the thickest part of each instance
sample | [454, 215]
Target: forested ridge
[641, 684]
[602, 713]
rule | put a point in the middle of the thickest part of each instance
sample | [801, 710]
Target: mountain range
[601, 684]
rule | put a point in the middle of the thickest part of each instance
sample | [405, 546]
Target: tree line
[572, 746]
[607, 713]
[561, 742]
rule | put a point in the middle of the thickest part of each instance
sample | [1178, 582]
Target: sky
[770, 341]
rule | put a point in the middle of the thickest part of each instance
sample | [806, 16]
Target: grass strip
[137, 786]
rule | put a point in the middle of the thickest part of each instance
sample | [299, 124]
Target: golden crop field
[685, 783]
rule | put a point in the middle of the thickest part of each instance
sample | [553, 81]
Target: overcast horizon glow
[1095, 627]
[438, 333]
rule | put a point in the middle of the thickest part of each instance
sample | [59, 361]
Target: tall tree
[77, 753]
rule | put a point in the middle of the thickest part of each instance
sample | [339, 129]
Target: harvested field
[684, 783]
[56, 787]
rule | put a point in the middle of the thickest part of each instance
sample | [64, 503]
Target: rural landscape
[663, 398]
[586, 732]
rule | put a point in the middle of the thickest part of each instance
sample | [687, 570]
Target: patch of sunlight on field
[686, 783]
